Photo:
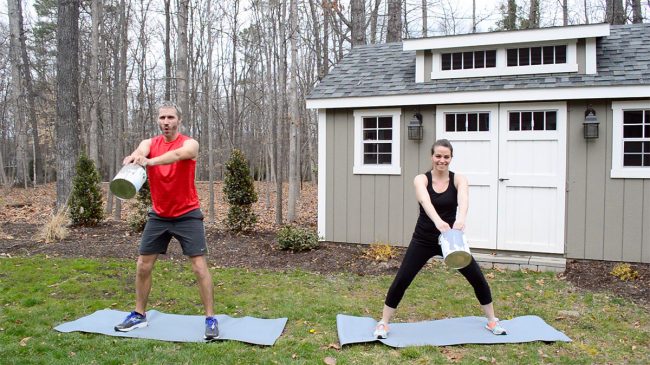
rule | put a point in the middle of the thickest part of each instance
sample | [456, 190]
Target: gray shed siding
[607, 219]
[372, 208]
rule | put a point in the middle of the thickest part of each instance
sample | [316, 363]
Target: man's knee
[144, 266]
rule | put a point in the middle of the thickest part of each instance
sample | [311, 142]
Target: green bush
[297, 239]
[138, 218]
[240, 193]
[86, 201]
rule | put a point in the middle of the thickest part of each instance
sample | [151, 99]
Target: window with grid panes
[467, 122]
[537, 120]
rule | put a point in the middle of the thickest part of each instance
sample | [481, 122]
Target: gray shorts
[187, 229]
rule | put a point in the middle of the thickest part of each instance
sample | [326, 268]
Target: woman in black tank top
[443, 199]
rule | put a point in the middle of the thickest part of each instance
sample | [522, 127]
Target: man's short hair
[171, 104]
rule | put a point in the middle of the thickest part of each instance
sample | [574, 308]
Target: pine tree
[138, 219]
[240, 193]
[86, 197]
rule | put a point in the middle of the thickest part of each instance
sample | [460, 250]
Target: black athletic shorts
[187, 229]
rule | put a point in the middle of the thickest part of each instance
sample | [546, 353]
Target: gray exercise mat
[180, 328]
[444, 332]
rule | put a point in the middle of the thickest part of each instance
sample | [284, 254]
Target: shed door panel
[473, 132]
[532, 169]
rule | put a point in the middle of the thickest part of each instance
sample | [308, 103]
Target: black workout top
[445, 203]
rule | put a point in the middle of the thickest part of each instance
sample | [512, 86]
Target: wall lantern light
[415, 127]
[590, 124]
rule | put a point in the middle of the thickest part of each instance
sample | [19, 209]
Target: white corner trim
[618, 170]
[322, 173]
[508, 37]
[419, 66]
[485, 96]
[591, 66]
[359, 168]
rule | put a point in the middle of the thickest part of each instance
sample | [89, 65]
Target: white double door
[515, 162]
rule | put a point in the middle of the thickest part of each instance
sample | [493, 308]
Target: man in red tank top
[170, 160]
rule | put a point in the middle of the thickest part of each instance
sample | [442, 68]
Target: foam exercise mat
[180, 328]
[444, 332]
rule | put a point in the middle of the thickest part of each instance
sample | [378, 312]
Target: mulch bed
[259, 251]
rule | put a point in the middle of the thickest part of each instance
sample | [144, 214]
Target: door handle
[503, 179]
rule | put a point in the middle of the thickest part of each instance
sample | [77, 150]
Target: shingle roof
[385, 69]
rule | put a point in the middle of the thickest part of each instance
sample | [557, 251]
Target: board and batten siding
[372, 208]
[607, 219]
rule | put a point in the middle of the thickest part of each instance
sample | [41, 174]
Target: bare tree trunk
[533, 15]
[168, 52]
[358, 22]
[637, 15]
[373, 22]
[586, 12]
[95, 91]
[67, 101]
[394, 31]
[565, 13]
[18, 90]
[327, 14]
[208, 91]
[473, 16]
[315, 29]
[425, 17]
[182, 73]
[294, 117]
[281, 112]
[615, 12]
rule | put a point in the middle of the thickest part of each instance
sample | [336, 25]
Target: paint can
[128, 181]
[455, 249]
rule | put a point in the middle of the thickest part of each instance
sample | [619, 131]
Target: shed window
[377, 142]
[631, 140]
[538, 120]
[527, 56]
[468, 60]
[467, 122]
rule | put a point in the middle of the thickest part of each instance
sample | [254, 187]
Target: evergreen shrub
[297, 239]
[240, 193]
[138, 218]
[86, 201]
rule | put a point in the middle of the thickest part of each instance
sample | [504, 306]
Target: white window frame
[618, 170]
[502, 68]
[359, 167]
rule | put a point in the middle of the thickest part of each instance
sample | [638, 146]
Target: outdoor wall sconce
[590, 124]
[415, 127]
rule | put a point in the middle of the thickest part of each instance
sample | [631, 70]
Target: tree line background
[86, 75]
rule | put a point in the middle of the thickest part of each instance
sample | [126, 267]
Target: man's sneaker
[211, 328]
[495, 327]
[132, 321]
[381, 330]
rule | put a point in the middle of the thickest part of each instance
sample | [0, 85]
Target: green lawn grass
[38, 293]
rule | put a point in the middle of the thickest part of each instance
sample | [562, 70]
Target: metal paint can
[128, 181]
[455, 249]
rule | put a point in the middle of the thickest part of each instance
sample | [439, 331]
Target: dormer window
[529, 56]
[568, 50]
[469, 60]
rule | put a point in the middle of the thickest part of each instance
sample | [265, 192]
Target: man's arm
[189, 151]
[141, 151]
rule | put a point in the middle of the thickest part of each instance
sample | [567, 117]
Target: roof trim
[508, 37]
[491, 96]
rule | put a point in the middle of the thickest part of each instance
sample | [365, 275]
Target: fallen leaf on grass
[484, 358]
[334, 346]
[490, 275]
[330, 360]
[23, 342]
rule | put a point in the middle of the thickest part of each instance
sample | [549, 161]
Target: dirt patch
[254, 251]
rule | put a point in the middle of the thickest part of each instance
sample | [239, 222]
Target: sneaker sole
[210, 338]
[136, 326]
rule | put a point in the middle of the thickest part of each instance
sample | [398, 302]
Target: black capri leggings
[417, 255]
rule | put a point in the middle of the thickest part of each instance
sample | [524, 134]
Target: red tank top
[173, 192]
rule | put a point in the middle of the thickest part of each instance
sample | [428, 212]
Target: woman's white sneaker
[381, 330]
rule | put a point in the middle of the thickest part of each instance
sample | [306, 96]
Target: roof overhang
[508, 37]
[491, 96]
